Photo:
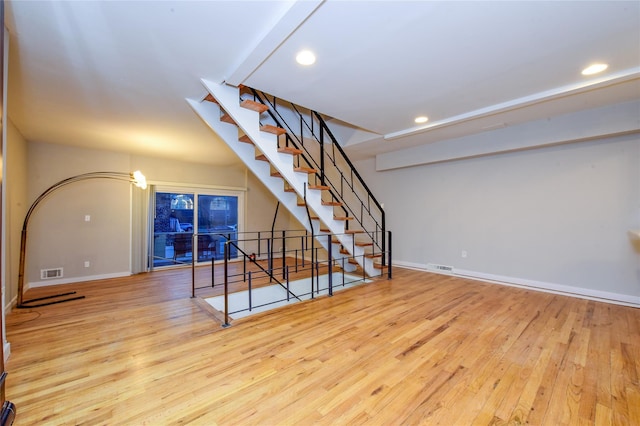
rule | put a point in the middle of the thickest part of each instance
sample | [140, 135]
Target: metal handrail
[380, 226]
[313, 267]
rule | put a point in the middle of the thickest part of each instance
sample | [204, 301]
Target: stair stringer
[210, 113]
[249, 121]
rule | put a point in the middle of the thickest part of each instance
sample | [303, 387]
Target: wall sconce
[137, 178]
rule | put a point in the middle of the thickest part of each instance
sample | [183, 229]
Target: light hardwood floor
[418, 349]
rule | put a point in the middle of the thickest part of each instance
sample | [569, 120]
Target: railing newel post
[330, 264]
[226, 286]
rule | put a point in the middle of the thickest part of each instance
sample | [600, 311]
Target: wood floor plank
[418, 349]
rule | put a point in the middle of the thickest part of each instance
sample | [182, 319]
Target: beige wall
[15, 207]
[58, 234]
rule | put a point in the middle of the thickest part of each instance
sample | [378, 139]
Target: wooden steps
[276, 173]
[254, 106]
[332, 203]
[307, 170]
[245, 139]
[262, 157]
[289, 189]
[210, 98]
[290, 150]
[363, 244]
[226, 118]
[319, 187]
[334, 218]
[372, 255]
[354, 231]
[273, 129]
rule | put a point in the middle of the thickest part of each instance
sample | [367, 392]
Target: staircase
[247, 123]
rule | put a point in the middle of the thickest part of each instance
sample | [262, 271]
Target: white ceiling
[115, 74]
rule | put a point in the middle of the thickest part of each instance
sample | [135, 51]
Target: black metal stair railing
[244, 273]
[334, 168]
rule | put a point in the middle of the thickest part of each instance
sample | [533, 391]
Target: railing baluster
[250, 292]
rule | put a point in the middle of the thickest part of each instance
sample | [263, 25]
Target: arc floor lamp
[137, 178]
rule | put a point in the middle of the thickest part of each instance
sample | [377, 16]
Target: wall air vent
[441, 268]
[47, 274]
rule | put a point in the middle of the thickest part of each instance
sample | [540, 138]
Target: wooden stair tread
[327, 230]
[372, 255]
[226, 118]
[262, 157]
[307, 170]
[335, 241]
[253, 105]
[378, 266]
[301, 204]
[342, 218]
[245, 139]
[210, 98]
[276, 174]
[354, 231]
[319, 187]
[353, 261]
[332, 203]
[273, 129]
[344, 251]
[289, 189]
[362, 244]
[290, 150]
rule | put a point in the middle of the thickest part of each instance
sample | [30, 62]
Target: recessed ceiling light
[421, 119]
[594, 69]
[305, 57]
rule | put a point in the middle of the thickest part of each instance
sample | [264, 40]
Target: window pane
[172, 228]
[217, 222]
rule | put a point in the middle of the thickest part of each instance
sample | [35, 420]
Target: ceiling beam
[289, 22]
[599, 123]
[536, 98]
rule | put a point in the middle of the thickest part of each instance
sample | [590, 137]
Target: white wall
[554, 218]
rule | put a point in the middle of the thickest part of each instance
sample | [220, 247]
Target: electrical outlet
[463, 254]
[87, 264]
[87, 218]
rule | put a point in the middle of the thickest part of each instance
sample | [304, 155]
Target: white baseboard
[583, 293]
[9, 306]
[75, 280]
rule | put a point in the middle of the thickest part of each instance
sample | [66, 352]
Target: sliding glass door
[213, 216]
